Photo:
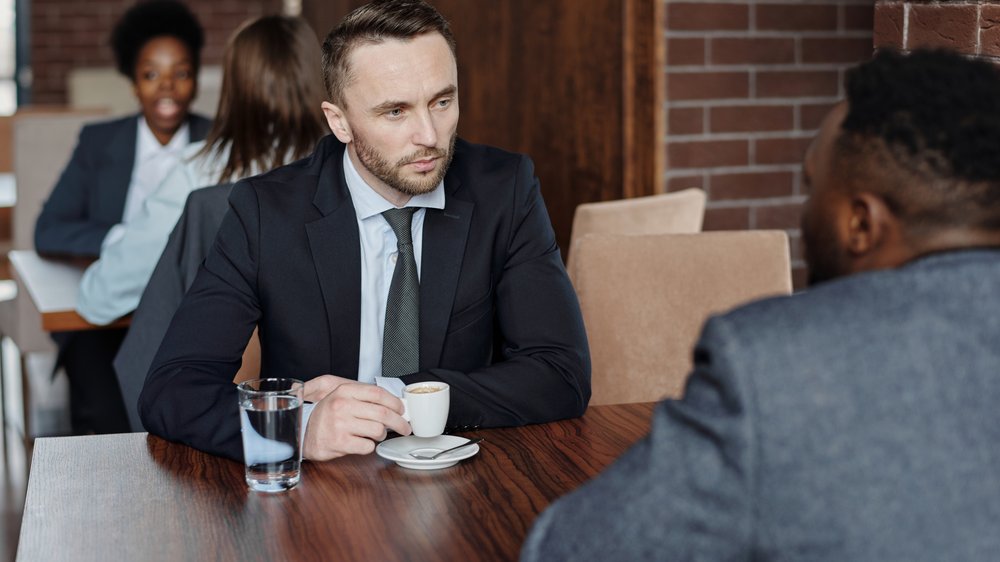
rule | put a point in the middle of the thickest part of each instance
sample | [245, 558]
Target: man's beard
[391, 174]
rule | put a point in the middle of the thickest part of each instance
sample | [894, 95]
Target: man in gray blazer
[861, 419]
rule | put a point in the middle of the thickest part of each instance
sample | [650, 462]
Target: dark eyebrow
[392, 104]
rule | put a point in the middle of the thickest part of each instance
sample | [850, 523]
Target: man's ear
[871, 224]
[337, 121]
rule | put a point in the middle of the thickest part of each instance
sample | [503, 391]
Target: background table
[53, 285]
[138, 497]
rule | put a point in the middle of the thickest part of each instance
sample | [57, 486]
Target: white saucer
[398, 450]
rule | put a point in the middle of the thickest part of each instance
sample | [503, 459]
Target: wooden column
[575, 85]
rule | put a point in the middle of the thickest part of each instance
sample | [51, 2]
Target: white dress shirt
[152, 162]
[378, 261]
[112, 285]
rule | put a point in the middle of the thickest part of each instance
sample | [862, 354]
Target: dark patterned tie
[401, 335]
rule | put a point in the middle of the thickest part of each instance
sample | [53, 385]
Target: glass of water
[271, 424]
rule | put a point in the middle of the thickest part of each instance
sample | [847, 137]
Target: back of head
[374, 23]
[923, 132]
[269, 107]
[151, 19]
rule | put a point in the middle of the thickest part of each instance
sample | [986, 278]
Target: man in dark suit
[859, 420]
[307, 253]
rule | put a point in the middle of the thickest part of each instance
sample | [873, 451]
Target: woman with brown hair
[269, 115]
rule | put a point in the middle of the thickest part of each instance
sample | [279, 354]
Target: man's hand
[349, 417]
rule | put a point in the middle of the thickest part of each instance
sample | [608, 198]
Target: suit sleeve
[189, 396]
[64, 227]
[544, 371]
[682, 493]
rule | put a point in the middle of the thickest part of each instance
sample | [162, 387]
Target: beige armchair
[678, 212]
[645, 297]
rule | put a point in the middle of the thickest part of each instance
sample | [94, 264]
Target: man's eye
[444, 103]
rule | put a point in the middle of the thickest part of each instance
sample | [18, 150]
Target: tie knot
[400, 220]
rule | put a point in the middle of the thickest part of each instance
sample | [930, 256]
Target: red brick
[684, 182]
[811, 115]
[704, 154]
[942, 25]
[753, 51]
[707, 85]
[785, 215]
[989, 34]
[727, 218]
[889, 23]
[836, 49]
[751, 118]
[795, 83]
[685, 51]
[797, 17]
[859, 18]
[752, 185]
[700, 16]
[780, 151]
[685, 121]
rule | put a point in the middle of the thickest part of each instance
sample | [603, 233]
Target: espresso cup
[426, 407]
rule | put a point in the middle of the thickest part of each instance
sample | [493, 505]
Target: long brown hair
[269, 108]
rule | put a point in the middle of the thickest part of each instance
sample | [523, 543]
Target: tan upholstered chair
[645, 297]
[679, 212]
[43, 142]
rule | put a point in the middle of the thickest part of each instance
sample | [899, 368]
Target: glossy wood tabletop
[138, 497]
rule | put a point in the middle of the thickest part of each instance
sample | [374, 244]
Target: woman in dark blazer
[157, 45]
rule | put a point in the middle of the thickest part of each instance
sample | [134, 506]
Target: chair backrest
[645, 298]
[678, 212]
[43, 140]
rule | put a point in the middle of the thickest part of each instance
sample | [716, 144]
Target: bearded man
[395, 254]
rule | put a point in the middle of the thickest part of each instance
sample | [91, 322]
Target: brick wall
[748, 82]
[66, 34]
[968, 27]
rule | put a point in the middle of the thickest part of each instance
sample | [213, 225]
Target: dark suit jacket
[857, 421]
[186, 249]
[499, 319]
[89, 197]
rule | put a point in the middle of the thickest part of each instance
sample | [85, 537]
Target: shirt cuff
[392, 384]
[115, 233]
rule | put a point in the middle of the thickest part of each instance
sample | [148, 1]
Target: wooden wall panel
[575, 85]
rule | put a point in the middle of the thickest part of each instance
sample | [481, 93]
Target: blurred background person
[269, 115]
[114, 167]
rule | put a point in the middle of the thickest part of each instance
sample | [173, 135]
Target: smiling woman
[115, 166]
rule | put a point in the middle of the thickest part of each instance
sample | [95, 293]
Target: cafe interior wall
[748, 82]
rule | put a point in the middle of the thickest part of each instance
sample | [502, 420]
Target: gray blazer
[857, 421]
[186, 248]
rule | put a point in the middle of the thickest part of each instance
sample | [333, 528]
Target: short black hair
[376, 22]
[928, 125]
[148, 20]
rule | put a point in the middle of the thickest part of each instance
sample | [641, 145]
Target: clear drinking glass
[271, 424]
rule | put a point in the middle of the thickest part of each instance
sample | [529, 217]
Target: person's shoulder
[107, 127]
[304, 171]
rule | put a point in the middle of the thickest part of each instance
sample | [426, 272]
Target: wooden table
[53, 285]
[138, 497]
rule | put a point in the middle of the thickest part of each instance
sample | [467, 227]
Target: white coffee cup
[427, 407]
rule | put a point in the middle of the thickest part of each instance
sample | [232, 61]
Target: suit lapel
[120, 152]
[336, 249]
[445, 233]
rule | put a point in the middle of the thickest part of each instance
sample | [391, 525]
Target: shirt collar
[368, 203]
[147, 146]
